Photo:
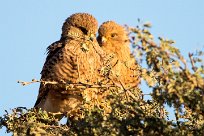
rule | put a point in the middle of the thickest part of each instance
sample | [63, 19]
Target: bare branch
[78, 85]
[192, 61]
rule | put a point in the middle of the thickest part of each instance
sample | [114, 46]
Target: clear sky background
[27, 27]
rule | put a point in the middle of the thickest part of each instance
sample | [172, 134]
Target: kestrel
[114, 40]
[73, 59]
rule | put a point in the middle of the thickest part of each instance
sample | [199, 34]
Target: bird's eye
[113, 35]
[83, 30]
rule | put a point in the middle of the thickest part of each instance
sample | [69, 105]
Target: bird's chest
[76, 65]
[87, 63]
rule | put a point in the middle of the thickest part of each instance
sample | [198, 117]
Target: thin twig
[78, 85]
[128, 92]
[192, 62]
[23, 83]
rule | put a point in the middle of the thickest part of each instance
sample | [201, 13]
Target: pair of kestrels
[80, 58]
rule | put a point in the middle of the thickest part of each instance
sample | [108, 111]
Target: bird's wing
[51, 51]
[53, 48]
[43, 91]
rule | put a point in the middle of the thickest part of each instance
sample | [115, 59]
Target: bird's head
[80, 25]
[112, 34]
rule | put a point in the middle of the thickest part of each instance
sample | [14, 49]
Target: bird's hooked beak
[103, 39]
[92, 37]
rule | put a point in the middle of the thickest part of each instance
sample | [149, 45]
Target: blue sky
[28, 27]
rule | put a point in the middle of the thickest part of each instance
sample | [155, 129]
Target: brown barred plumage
[72, 59]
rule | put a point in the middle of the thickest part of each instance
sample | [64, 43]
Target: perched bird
[114, 40]
[73, 59]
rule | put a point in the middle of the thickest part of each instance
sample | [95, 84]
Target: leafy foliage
[171, 79]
